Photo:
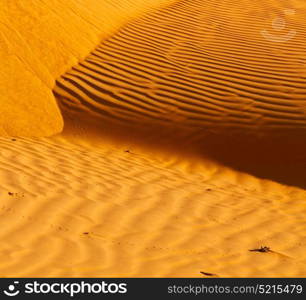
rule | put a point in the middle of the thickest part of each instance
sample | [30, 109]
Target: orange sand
[39, 41]
[183, 144]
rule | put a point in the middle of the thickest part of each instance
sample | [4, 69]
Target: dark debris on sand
[261, 249]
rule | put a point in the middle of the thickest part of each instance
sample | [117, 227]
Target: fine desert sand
[158, 138]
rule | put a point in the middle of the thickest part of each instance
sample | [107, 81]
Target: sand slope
[39, 41]
[79, 210]
[204, 78]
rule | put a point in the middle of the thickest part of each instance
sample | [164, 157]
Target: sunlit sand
[153, 140]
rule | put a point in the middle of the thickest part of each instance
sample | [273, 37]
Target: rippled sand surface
[79, 210]
[183, 145]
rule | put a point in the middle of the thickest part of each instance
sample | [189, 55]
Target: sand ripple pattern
[69, 210]
[199, 64]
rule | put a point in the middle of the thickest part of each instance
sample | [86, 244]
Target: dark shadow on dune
[161, 83]
[280, 158]
[277, 156]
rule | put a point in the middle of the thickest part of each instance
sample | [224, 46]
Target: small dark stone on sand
[14, 140]
[85, 232]
[11, 194]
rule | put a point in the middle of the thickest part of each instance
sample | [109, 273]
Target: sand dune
[206, 66]
[183, 146]
[204, 78]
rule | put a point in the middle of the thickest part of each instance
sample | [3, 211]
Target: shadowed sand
[183, 149]
[202, 76]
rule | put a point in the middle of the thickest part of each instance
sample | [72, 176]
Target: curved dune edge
[97, 210]
[39, 41]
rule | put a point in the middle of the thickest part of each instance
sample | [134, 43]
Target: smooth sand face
[39, 41]
[183, 145]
